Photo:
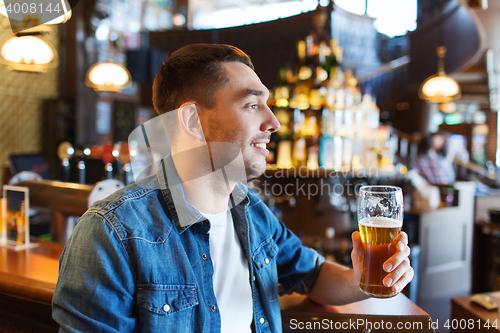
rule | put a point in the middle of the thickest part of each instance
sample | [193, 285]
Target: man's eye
[253, 106]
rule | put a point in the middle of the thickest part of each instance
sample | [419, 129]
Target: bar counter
[30, 274]
[27, 282]
[28, 278]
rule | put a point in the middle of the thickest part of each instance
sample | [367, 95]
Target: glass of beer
[380, 218]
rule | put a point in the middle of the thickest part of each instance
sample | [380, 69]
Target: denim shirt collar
[183, 213]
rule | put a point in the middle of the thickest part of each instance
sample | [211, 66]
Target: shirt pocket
[168, 307]
[264, 259]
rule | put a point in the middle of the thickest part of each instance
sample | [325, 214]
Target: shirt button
[204, 256]
[243, 233]
[212, 308]
[253, 277]
[266, 261]
[166, 308]
[261, 320]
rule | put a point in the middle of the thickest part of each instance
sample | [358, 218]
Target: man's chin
[254, 172]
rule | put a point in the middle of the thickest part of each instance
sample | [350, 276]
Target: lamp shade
[28, 53]
[108, 76]
[439, 88]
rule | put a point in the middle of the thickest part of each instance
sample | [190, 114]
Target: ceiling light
[440, 88]
[28, 53]
[108, 76]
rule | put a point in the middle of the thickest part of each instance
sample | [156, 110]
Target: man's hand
[397, 266]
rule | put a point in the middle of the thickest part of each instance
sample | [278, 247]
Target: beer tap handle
[81, 172]
[124, 158]
[108, 158]
[66, 169]
[127, 172]
[109, 170]
[65, 151]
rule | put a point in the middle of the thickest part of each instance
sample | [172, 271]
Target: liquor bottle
[312, 157]
[300, 97]
[284, 151]
[303, 67]
[299, 157]
[283, 133]
[337, 153]
[326, 141]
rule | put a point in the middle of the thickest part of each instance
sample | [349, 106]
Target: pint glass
[380, 218]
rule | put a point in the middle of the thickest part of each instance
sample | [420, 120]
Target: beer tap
[108, 158]
[80, 156]
[65, 151]
[81, 172]
[124, 158]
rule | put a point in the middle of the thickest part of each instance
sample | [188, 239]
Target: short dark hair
[194, 73]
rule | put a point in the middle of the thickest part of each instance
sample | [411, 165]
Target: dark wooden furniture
[465, 313]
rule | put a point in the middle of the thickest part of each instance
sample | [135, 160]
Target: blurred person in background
[432, 163]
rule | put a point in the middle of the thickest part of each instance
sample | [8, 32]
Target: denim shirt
[130, 267]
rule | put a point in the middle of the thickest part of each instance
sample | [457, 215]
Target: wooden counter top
[30, 274]
[463, 310]
[397, 314]
[398, 305]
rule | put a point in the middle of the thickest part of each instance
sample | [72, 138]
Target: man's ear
[190, 121]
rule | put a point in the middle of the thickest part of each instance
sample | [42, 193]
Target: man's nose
[270, 123]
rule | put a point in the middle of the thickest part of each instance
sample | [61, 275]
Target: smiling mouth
[258, 145]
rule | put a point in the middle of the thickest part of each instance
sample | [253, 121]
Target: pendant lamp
[440, 88]
[108, 76]
[30, 53]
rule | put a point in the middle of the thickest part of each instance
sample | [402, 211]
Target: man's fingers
[402, 253]
[403, 281]
[397, 273]
[403, 237]
[357, 245]
[356, 239]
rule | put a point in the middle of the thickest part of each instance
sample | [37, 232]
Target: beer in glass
[380, 218]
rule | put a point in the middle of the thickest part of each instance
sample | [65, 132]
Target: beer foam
[380, 222]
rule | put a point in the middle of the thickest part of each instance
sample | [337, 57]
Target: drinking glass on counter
[380, 218]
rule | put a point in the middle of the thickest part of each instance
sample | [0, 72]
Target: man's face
[437, 142]
[241, 116]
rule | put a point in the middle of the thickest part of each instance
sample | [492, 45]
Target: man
[192, 249]
[432, 163]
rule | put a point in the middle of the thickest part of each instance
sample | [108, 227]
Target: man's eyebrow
[255, 92]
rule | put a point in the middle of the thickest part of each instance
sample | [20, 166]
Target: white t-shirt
[231, 275]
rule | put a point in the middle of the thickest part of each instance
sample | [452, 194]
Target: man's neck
[208, 193]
